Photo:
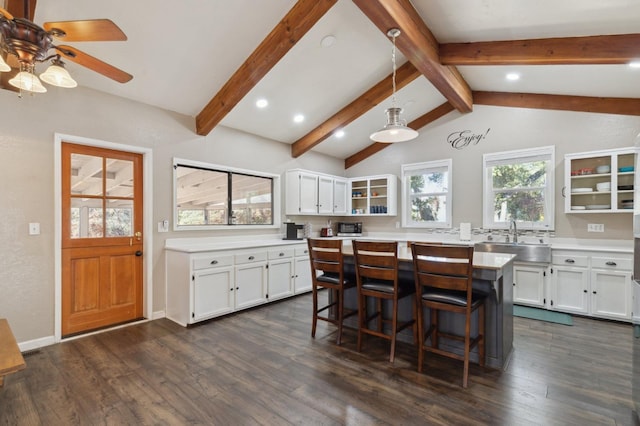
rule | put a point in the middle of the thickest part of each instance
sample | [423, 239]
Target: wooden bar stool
[443, 277]
[377, 277]
[327, 271]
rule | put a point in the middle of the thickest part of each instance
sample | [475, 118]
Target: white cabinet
[340, 190]
[209, 284]
[592, 283]
[309, 193]
[212, 293]
[251, 278]
[302, 267]
[281, 273]
[373, 195]
[529, 284]
[570, 283]
[599, 181]
[611, 286]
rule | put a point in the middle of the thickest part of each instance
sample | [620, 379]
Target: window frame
[427, 167]
[489, 160]
[275, 195]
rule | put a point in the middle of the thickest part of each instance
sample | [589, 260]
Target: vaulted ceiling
[330, 60]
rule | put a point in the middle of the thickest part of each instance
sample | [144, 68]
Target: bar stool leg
[340, 314]
[481, 329]
[362, 315]
[315, 311]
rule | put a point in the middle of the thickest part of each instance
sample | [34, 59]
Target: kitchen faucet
[515, 230]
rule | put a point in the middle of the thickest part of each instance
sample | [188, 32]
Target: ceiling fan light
[4, 67]
[25, 80]
[395, 130]
[58, 76]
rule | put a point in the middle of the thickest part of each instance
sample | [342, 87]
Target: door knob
[138, 235]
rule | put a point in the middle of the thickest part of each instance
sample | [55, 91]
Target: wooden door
[102, 242]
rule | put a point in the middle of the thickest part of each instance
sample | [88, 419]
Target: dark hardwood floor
[262, 367]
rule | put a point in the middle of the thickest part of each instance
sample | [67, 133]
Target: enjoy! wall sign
[464, 138]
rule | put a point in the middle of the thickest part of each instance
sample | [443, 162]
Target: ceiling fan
[24, 44]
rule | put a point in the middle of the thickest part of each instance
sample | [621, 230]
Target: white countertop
[195, 245]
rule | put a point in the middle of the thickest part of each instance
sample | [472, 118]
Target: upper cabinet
[599, 181]
[309, 193]
[373, 195]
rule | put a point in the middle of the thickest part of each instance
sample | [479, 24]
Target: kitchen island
[492, 274]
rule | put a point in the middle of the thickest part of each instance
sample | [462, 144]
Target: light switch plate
[34, 228]
[163, 226]
[595, 227]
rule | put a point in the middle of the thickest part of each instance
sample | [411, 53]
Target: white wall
[27, 188]
[26, 176]
[511, 129]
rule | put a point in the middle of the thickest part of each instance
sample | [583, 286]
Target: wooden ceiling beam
[420, 47]
[300, 19]
[620, 106]
[17, 8]
[372, 97]
[604, 49]
[416, 124]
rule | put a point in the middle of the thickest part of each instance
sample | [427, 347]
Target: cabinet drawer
[302, 251]
[212, 260]
[618, 263]
[281, 253]
[248, 257]
[570, 260]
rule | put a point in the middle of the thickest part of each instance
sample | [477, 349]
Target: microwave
[350, 228]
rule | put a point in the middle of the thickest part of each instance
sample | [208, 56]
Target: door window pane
[119, 218]
[86, 218]
[119, 182]
[86, 175]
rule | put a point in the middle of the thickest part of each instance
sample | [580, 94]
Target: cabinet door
[251, 284]
[302, 280]
[325, 195]
[308, 193]
[212, 293]
[528, 285]
[340, 196]
[570, 289]
[280, 279]
[611, 294]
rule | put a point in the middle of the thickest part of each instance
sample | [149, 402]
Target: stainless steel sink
[525, 252]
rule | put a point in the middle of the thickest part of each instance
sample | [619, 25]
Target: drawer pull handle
[214, 262]
[570, 261]
[281, 254]
[610, 263]
[251, 257]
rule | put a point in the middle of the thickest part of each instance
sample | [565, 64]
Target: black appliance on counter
[349, 229]
[293, 231]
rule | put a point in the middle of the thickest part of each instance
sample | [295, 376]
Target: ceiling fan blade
[89, 30]
[79, 57]
[6, 14]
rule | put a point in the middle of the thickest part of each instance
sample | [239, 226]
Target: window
[209, 196]
[519, 185]
[426, 194]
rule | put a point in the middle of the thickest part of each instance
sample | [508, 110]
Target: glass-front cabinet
[373, 195]
[600, 181]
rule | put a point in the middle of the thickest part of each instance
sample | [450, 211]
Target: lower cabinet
[529, 284]
[595, 284]
[201, 286]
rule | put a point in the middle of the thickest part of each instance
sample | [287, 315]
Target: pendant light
[395, 130]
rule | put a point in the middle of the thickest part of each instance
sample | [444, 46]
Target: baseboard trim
[30, 345]
[158, 314]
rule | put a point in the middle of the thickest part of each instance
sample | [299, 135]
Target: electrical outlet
[595, 227]
[34, 228]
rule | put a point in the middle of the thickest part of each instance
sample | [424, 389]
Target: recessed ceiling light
[298, 118]
[634, 64]
[513, 76]
[339, 133]
[261, 103]
[328, 41]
